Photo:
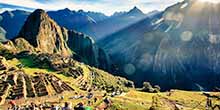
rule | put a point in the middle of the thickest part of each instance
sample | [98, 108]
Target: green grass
[27, 62]
[127, 105]
[132, 100]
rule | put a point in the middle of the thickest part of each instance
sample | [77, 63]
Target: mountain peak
[135, 8]
[39, 11]
[38, 15]
[66, 9]
[44, 33]
[7, 13]
[135, 11]
[81, 11]
[32, 25]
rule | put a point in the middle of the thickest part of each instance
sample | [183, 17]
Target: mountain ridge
[173, 45]
[113, 24]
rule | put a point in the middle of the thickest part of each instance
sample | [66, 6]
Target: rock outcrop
[22, 45]
[44, 34]
[86, 48]
[2, 35]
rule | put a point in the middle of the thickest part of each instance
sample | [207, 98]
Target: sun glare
[210, 1]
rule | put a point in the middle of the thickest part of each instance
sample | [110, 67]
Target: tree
[147, 87]
[157, 88]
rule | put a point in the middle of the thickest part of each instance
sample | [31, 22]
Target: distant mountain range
[75, 19]
[177, 48]
[113, 24]
[89, 22]
[12, 21]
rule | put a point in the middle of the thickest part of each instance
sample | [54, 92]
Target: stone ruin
[73, 72]
[17, 84]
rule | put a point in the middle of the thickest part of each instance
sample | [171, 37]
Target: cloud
[106, 6]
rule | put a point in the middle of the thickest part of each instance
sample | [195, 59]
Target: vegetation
[148, 88]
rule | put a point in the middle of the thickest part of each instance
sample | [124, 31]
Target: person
[89, 103]
[67, 106]
[13, 105]
[95, 99]
[53, 107]
[107, 101]
[79, 106]
[33, 106]
[90, 95]
[19, 108]
[62, 97]
[41, 107]
[208, 103]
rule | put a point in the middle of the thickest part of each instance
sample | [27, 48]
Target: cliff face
[12, 22]
[85, 47]
[2, 35]
[44, 34]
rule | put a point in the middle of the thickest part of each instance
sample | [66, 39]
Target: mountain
[177, 48]
[41, 34]
[135, 12]
[76, 19]
[97, 16]
[12, 22]
[113, 24]
[132, 49]
[88, 51]
[2, 35]
[71, 19]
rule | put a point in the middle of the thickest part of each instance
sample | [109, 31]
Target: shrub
[157, 88]
[148, 88]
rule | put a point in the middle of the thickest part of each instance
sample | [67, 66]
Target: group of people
[32, 106]
[67, 106]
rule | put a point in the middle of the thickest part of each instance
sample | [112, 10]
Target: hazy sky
[106, 6]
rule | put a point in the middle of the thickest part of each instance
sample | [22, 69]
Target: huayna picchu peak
[44, 34]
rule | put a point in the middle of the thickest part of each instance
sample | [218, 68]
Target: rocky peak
[8, 14]
[135, 11]
[65, 11]
[44, 34]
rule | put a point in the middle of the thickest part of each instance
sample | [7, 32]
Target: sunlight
[210, 1]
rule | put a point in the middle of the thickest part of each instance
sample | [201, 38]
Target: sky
[105, 6]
